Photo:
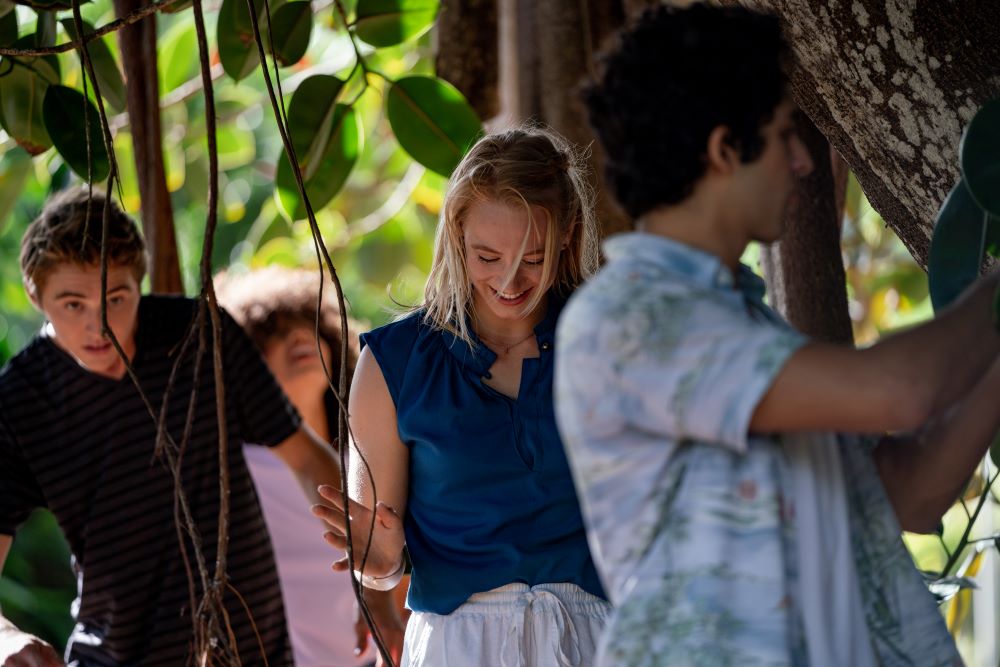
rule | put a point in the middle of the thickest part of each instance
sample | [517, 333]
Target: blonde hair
[527, 166]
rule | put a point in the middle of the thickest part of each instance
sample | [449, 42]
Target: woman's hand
[19, 649]
[384, 545]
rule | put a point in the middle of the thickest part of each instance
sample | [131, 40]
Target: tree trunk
[892, 84]
[467, 52]
[138, 49]
[805, 270]
[546, 53]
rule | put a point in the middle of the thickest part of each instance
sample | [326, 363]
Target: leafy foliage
[968, 224]
[376, 204]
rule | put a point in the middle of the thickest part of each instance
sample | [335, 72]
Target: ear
[32, 292]
[721, 156]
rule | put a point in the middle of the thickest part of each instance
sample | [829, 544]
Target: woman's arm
[378, 477]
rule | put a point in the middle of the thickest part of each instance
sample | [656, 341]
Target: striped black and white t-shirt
[82, 445]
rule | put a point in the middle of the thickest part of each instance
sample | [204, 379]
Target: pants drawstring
[541, 613]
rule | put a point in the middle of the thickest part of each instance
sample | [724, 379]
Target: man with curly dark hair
[737, 511]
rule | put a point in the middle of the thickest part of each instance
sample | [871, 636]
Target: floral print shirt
[661, 361]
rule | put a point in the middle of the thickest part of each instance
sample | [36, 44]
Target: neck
[312, 409]
[701, 222]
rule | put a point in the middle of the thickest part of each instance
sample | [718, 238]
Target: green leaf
[327, 178]
[178, 6]
[237, 47]
[388, 22]
[956, 247]
[109, 77]
[8, 28]
[291, 25]
[980, 157]
[310, 120]
[177, 56]
[63, 111]
[22, 89]
[52, 73]
[45, 29]
[432, 121]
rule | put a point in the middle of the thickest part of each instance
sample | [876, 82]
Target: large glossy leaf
[237, 48]
[956, 247]
[22, 90]
[291, 25]
[109, 77]
[328, 177]
[388, 22]
[177, 56]
[980, 157]
[310, 120]
[63, 111]
[8, 28]
[432, 121]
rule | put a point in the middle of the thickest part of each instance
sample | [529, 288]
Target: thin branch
[113, 26]
[343, 428]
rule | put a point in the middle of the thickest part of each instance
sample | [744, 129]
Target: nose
[802, 162]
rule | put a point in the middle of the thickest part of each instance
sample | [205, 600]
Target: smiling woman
[452, 408]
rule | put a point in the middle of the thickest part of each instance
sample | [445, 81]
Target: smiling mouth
[510, 297]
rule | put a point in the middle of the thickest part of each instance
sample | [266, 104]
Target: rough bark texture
[892, 84]
[138, 48]
[805, 271]
[467, 54]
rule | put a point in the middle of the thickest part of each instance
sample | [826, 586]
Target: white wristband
[386, 583]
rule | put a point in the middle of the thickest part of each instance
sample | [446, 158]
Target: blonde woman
[452, 408]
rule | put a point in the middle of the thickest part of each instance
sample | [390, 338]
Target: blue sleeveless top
[491, 499]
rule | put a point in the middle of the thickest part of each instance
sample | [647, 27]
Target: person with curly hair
[277, 307]
[452, 407]
[742, 504]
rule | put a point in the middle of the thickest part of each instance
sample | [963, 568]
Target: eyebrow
[70, 293]
[479, 246]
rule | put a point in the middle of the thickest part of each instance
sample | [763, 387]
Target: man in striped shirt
[77, 437]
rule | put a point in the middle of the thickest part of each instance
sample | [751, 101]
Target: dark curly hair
[670, 79]
[271, 301]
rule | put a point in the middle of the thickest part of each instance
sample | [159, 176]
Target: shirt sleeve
[265, 414]
[19, 492]
[692, 371]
